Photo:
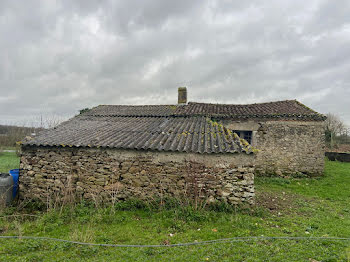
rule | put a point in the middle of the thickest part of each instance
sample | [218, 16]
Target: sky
[58, 57]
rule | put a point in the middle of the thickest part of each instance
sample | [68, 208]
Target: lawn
[8, 160]
[285, 207]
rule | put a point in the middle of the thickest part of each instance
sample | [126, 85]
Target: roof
[181, 128]
[125, 110]
[181, 134]
[288, 109]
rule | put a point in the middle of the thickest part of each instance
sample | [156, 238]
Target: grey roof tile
[281, 109]
[126, 110]
[288, 109]
[182, 134]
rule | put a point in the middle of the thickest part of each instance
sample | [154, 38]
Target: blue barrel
[15, 176]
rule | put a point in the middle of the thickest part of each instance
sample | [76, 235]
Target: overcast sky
[61, 56]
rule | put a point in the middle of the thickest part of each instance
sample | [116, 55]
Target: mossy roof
[181, 134]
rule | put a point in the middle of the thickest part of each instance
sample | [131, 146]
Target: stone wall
[286, 147]
[58, 174]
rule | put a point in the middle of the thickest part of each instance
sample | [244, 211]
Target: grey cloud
[330, 15]
[66, 55]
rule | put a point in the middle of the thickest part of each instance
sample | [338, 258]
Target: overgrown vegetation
[84, 110]
[286, 207]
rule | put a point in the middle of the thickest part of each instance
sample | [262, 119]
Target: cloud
[59, 57]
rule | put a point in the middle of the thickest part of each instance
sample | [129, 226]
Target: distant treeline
[9, 135]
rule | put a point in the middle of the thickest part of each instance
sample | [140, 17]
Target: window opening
[247, 135]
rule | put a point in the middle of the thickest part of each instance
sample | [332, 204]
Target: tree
[334, 126]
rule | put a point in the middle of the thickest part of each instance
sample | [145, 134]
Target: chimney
[182, 96]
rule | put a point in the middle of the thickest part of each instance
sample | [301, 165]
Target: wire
[233, 239]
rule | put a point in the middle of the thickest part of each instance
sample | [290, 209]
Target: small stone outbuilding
[113, 153]
[197, 150]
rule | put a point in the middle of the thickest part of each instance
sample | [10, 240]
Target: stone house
[289, 135]
[189, 150]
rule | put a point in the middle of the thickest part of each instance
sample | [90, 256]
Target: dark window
[247, 135]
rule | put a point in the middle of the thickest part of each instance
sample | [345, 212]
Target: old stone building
[202, 151]
[288, 134]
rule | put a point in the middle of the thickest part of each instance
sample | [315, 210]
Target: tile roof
[288, 109]
[125, 110]
[182, 134]
[183, 128]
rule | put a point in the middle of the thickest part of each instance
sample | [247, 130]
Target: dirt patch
[281, 202]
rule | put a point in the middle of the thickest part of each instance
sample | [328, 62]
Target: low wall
[335, 156]
[104, 175]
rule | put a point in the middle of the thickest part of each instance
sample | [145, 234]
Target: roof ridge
[260, 103]
[140, 105]
[193, 102]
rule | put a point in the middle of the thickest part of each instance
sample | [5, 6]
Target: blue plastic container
[15, 176]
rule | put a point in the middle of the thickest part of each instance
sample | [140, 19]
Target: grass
[7, 148]
[8, 160]
[286, 207]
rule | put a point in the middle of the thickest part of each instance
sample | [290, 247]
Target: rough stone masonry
[294, 148]
[71, 174]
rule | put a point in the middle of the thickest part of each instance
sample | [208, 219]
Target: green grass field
[285, 207]
[8, 160]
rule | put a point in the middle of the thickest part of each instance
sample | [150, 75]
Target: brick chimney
[182, 96]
